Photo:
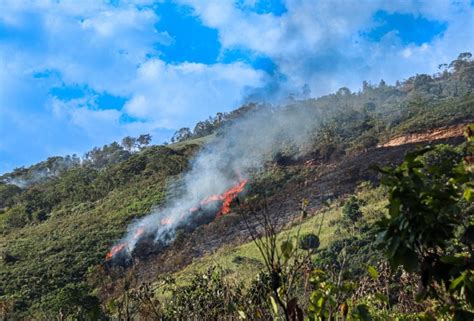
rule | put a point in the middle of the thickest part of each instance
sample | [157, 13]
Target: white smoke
[41, 172]
[237, 150]
[33, 177]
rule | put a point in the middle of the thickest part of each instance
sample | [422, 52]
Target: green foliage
[107, 155]
[322, 302]
[309, 242]
[86, 211]
[351, 210]
[213, 124]
[7, 195]
[17, 217]
[429, 216]
[72, 302]
[208, 297]
[424, 207]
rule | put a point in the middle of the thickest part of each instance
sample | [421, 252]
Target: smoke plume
[238, 150]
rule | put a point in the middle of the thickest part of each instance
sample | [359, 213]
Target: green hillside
[59, 218]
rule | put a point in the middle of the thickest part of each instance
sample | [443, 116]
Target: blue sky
[79, 74]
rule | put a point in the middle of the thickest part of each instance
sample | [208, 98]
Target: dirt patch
[431, 135]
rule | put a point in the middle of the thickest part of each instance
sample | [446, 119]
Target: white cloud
[107, 49]
[320, 42]
[167, 93]
[112, 48]
[103, 48]
[87, 42]
[93, 122]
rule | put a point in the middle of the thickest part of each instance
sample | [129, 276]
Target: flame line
[226, 197]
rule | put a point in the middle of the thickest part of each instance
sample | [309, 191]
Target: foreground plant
[430, 224]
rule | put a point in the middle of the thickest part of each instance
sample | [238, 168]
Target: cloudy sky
[83, 73]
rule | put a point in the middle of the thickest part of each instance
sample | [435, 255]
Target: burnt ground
[317, 183]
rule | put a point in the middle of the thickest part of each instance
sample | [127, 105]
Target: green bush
[430, 212]
[309, 241]
[351, 210]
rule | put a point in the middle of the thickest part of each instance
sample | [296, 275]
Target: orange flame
[115, 249]
[166, 221]
[138, 233]
[227, 197]
[122, 246]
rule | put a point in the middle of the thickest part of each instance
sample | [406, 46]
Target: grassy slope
[196, 141]
[427, 117]
[244, 262]
[76, 236]
[61, 249]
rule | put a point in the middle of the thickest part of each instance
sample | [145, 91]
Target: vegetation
[84, 210]
[353, 259]
[328, 283]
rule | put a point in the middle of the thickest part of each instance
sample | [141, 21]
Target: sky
[76, 74]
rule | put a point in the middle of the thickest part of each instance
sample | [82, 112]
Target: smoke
[34, 178]
[238, 150]
[31, 178]
[41, 172]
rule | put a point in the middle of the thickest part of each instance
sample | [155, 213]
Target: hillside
[60, 217]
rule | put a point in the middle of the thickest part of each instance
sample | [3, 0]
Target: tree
[143, 140]
[365, 86]
[422, 82]
[369, 107]
[309, 242]
[128, 143]
[73, 301]
[305, 91]
[181, 135]
[344, 91]
[107, 155]
[7, 194]
[203, 128]
[463, 59]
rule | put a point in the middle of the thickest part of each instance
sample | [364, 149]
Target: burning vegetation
[213, 206]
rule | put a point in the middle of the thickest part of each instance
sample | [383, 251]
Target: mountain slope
[57, 229]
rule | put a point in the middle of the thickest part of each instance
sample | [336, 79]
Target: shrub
[351, 210]
[309, 241]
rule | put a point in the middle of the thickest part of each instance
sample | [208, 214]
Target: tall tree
[181, 135]
[128, 143]
[143, 140]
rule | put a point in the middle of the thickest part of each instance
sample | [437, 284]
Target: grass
[453, 111]
[201, 141]
[244, 262]
[49, 255]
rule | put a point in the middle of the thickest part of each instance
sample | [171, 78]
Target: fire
[227, 197]
[115, 249]
[122, 246]
[138, 233]
[212, 198]
[166, 221]
[194, 209]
